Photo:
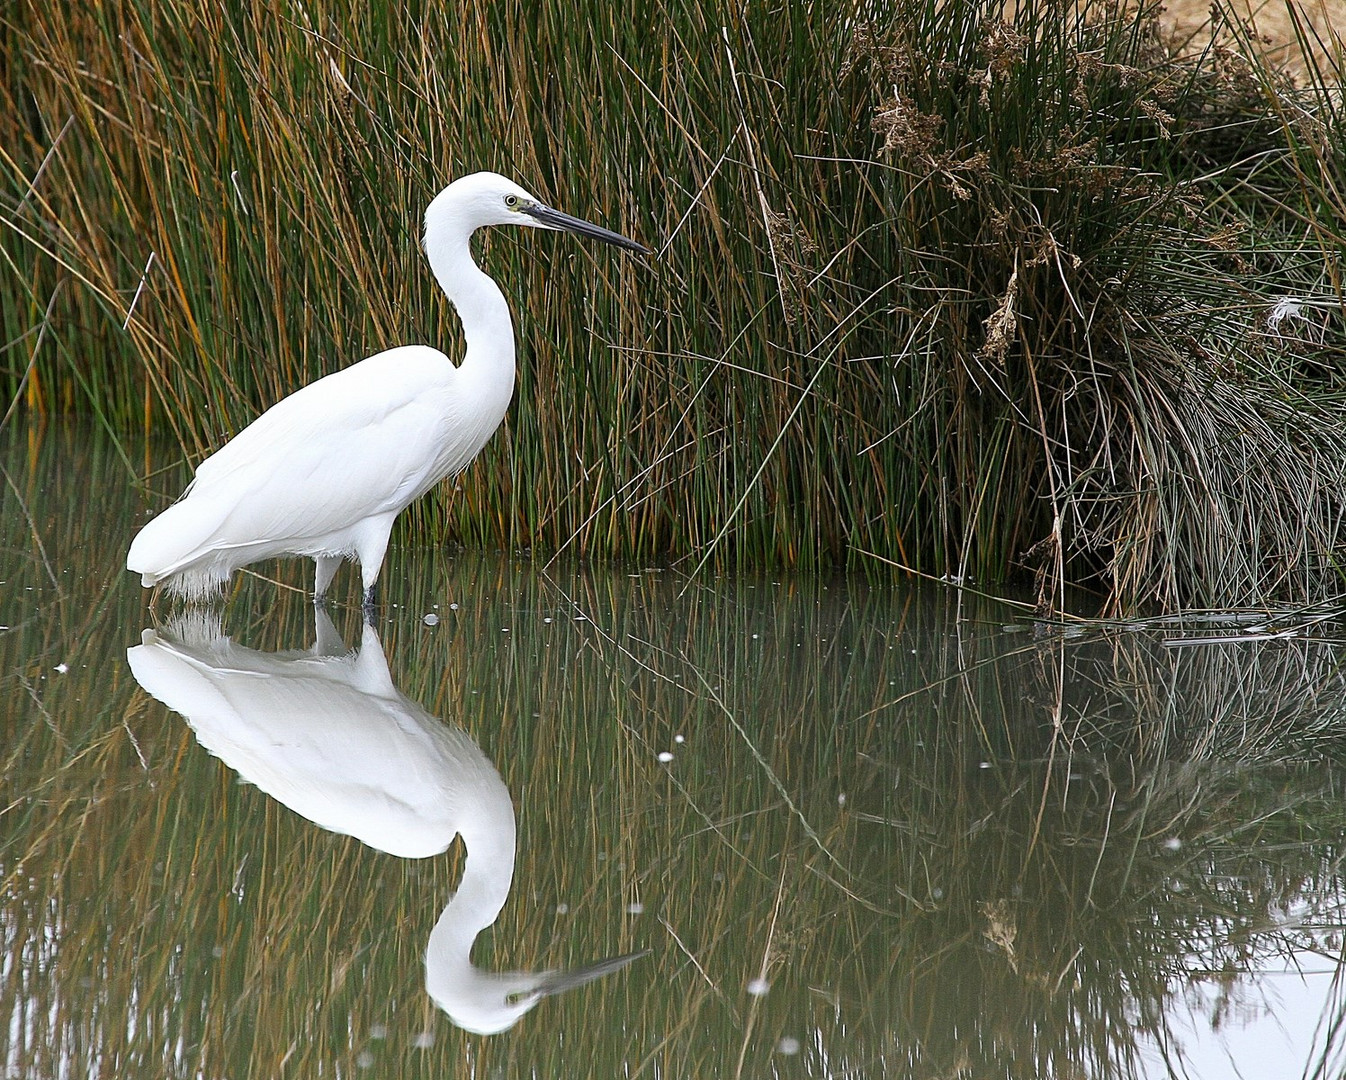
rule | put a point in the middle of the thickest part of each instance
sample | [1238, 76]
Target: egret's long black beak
[557, 982]
[554, 219]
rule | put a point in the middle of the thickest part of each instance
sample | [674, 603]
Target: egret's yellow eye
[512, 201]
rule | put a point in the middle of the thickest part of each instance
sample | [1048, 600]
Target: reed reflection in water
[325, 732]
[944, 847]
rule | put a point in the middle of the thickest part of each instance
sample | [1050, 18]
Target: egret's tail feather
[195, 585]
[175, 551]
[197, 629]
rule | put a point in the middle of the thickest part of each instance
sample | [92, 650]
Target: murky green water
[861, 831]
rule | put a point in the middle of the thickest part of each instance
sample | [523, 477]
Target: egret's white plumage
[327, 733]
[324, 472]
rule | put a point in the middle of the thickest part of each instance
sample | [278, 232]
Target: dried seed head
[905, 129]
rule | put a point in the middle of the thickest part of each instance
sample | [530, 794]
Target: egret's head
[485, 1003]
[486, 198]
[489, 1002]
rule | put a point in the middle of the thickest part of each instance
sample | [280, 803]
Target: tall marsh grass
[973, 290]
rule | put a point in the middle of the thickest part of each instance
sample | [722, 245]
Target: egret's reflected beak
[558, 982]
[554, 219]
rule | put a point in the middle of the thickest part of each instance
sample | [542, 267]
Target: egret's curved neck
[475, 999]
[488, 871]
[487, 325]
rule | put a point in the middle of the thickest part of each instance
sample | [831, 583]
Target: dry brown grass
[1274, 22]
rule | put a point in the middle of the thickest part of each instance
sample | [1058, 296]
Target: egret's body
[326, 733]
[325, 472]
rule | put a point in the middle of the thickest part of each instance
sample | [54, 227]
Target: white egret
[326, 733]
[325, 471]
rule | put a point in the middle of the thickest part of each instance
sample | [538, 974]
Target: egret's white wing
[314, 735]
[361, 442]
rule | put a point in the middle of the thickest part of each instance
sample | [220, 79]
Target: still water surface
[862, 831]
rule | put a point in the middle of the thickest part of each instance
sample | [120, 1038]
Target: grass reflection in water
[943, 849]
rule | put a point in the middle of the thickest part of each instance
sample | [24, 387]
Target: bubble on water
[364, 1059]
[1173, 843]
[665, 756]
[841, 798]
[62, 668]
[453, 607]
[758, 987]
[431, 619]
[424, 1040]
[378, 1031]
[635, 908]
[787, 1045]
[678, 739]
[563, 909]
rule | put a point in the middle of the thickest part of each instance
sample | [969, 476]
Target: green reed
[971, 296]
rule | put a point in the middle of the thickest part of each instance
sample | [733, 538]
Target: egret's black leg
[370, 605]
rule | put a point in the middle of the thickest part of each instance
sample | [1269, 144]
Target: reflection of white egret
[324, 472]
[327, 733]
